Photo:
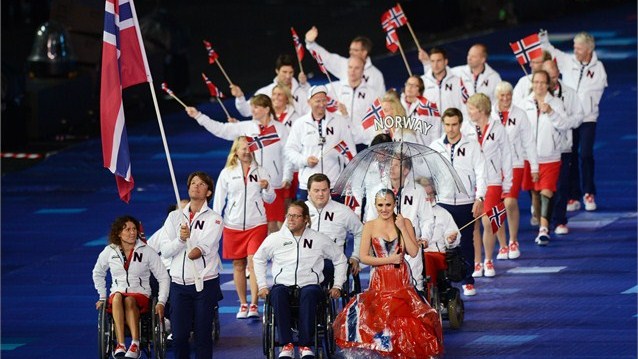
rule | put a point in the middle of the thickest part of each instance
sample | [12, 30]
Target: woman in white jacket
[272, 136]
[131, 263]
[547, 117]
[242, 188]
[495, 146]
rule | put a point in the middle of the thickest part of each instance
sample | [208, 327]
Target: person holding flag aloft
[338, 65]
[492, 138]
[285, 74]
[313, 137]
[547, 117]
[242, 189]
[270, 137]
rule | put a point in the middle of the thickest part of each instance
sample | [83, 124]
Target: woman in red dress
[390, 318]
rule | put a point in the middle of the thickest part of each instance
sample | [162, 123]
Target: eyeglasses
[294, 216]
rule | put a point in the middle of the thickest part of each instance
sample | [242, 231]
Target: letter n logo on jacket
[137, 257]
[408, 200]
[448, 87]
[590, 74]
[330, 131]
[361, 95]
[199, 225]
[330, 216]
[307, 243]
[252, 178]
[460, 151]
[490, 137]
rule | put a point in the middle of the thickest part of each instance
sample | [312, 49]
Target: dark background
[41, 113]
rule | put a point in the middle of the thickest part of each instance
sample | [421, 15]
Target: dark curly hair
[118, 225]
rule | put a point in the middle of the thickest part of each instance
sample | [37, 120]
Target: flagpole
[472, 221]
[300, 67]
[410, 28]
[161, 127]
[223, 107]
[223, 72]
[403, 56]
[524, 70]
[178, 100]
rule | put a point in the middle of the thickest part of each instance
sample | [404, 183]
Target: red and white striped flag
[298, 46]
[344, 150]
[527, 48]
[214, 91]
[212, 55]
[426, 108]
[375, 112]
[124, 64]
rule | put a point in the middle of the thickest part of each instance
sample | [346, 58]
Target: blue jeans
[309, 297]
[559, 212]
[462, 214]
[188, 305]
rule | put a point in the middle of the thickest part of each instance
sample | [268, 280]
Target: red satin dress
[390, 318]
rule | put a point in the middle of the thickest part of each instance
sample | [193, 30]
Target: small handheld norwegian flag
[166, 89]
[212, 55]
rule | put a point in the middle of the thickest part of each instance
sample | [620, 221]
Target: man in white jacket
[312, 140]
[467, 159]
[477, 75]
[574, 112]
[442, 86]
[297, 254]
[333, 219]
[583, 72]
[194, 232]
[338, 65]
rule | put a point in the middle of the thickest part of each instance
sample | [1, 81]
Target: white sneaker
[542, 239]
[514, 251]
[573, 205]
[561, 229]
[478, 270]
[503, 253]
[133, 352]
[590, 204]
[243, 312]
[253, 311]
[469, 290]
[306, 353]
[288, 351]
[489, 269]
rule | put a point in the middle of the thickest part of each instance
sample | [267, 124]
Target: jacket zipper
[258, 210]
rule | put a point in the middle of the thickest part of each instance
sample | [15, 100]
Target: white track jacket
[519, 134]
[242, 196]
[299, 261]
[496, 150]
[144, 261]
[206, 232]
[546, 128]
[336, 220]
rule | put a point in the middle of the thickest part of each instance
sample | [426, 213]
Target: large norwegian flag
[393, 18]
[527, 49]
[375, 112]
[392, 40]
[298, 46]
[426, 108]
[124, 64]
[497, 215]
[214, 91]
[319, 61]
[267, 137]
[344, 150]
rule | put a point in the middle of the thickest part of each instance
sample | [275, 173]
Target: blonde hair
[481, 102]
[393, 98]
[585, 38]
[285, 90]
[232, 161]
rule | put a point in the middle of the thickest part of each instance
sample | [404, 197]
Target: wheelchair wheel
[455, 309]
[435, 302]
[158, 334]
[105, 340]
[216, 326]
[268, 332]
[329, 343]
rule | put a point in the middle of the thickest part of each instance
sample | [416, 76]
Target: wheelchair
[445, 298]
[324, 341]
[152, 333]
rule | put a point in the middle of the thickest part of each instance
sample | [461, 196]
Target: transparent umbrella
[405, 162]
